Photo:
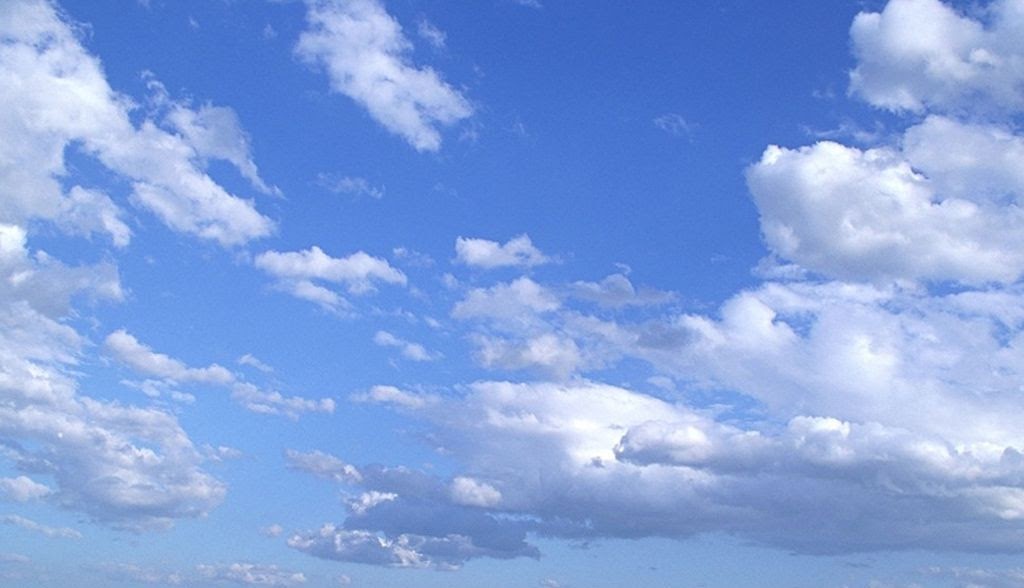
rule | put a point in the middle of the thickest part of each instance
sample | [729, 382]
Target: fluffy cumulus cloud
[936, 209]
[919, 55]
[366, 57]
[56, 98]
[516, 252]
[942, 204]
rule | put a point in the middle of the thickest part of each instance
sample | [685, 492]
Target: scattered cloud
[365, 54]
[393, 396]
[124, 572]
[431, 34]
[252, 361]
[274, 530]
[23, 489]
[617, 291]
[128, 350]
[30, 525]
[250, 574]
[323, 465]
[516, 252]
[351, 185]
[296, 270]
[410, 351]
[675, 124]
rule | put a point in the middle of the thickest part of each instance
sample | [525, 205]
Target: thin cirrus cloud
[365, 55]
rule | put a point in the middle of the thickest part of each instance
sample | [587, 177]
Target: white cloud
[220, 452]
[58, 98]
[517, 252]
[868, 215]
[216, 133]
[596, 460]
[365, 55]
[23, 489]
[406, 550]
[296, 270]
[617, 291]
[262, 401]
[411, 351]
[919, 55]
[86, 212]
[352, 185]
[250, 574]
[470, 492]
[44, 283]
[254, 362]
[368, 500]
[395, 397]
[979, 577]
[431, 34]
[516, 302]
[552, 355]
[323, 465]
[274, 530]
[122, 572]
[127, 349]
[674, 124]
[30, 525]
[408, 518]
[148, 464]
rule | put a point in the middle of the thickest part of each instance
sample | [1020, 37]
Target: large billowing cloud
[122, 465]
[922, 55]
[55, 97]
[868, 401]
[365, 54]
[943, 207]
[588, 459]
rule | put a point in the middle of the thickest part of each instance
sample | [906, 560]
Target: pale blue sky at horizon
[515, 293]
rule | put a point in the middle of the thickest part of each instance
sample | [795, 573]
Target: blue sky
[523, 293]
